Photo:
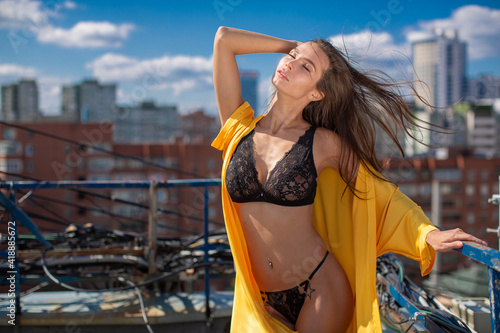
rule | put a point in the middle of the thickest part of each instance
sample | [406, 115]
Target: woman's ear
[316, 95]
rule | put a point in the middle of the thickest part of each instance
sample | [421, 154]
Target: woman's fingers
[450, 239]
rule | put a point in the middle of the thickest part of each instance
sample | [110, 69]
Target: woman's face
[298, 73]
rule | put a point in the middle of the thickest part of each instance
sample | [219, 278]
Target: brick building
[465, 182]
[27, 152]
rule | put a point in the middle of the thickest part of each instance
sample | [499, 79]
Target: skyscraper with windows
[248, 81]
[20, 101]
[439, 62]
[89, 101]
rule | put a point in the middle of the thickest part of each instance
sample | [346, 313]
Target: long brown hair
[354, 104]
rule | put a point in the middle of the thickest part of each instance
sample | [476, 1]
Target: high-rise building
[9, 104]
[70, 102]
[249, 93]
[90, 101]
[483, 125]
[20, 101]
[439, 62]
[145, 122]
[484, 86]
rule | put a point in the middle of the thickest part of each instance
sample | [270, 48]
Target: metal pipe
[206, 258]
[152, 226]
[436, 220]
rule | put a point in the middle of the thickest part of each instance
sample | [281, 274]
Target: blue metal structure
[485, 255]
[19, 216]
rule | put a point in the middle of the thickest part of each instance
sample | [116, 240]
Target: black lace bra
[292, 182]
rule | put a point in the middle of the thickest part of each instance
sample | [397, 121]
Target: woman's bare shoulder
[327, 138]
[326, 148]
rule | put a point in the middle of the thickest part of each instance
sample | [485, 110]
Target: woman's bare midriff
[285, 248]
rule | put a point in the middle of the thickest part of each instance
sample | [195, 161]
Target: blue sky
[161, 50]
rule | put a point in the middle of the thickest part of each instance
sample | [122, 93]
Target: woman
[304, 248]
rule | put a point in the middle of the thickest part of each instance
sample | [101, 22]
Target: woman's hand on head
[447, 240]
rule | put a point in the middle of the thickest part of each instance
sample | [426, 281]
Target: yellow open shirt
[355, 230]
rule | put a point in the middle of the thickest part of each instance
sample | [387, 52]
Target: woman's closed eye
[293, 56]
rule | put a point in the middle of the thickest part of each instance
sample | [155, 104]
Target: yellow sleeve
[240, 118]
[402, 226]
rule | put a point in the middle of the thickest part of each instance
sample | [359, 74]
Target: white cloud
[49, 91]
[21, 13]
[30, 14]
[87, 35]
[478, 26]
[28, 19]
[13, 71]
[177, 73]
[69, 5]
[366, 44]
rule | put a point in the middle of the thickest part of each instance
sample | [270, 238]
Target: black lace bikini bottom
[289, 302]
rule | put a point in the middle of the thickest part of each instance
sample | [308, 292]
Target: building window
[30, 166]
[13, 165]
[485, 190]
[101, 177]
[448, 174]
[212, 212]
[10, 134]
[174, 196]
[9, 148]
[425, 190]
[409, 189]
[29, 150]
[120, 163]
[469, 190]
[162, 195]
[471, 218]
[101, 164]
[211, 164]
[471, 175]
[135, 164]
[450, 188]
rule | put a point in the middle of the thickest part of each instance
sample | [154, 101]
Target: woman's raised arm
[229, 43]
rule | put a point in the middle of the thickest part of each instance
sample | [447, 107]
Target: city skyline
[162, 51]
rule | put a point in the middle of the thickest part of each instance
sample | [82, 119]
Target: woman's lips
[282, 74]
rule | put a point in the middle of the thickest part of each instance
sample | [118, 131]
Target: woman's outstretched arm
[229, 43]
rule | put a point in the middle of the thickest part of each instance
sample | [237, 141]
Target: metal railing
[18, 216]
[484, 255]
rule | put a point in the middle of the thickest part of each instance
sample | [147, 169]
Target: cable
[47, 209]
[135, 204]
[156, 279]
[141, 302]
[390, 270]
